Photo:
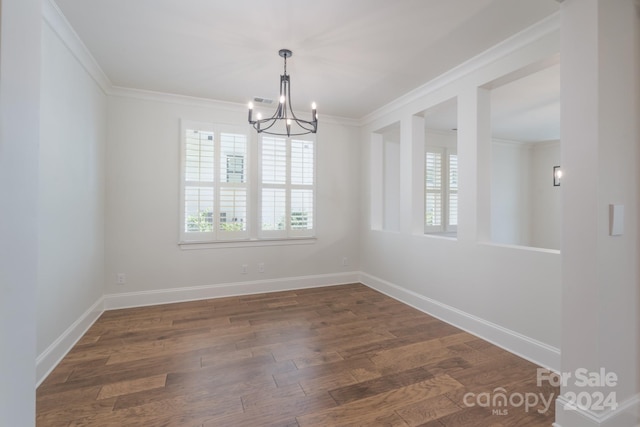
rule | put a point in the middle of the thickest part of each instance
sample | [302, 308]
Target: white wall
[443, 139]
[525, 206]
[391, 185]
[601, 163]
[71, 191]
[20, 22]
[511, 193]
[143, 161]
[508, 295]
[545, 199]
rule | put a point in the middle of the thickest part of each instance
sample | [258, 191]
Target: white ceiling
[349, 56]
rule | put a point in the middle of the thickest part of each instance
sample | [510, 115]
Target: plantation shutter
[453, 190]
[433, 190]
[214, 182]
[232, 218]
[302, 177]
[274, 180]
[198, 181]
[287, 187]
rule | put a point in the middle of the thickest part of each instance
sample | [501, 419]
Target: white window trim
[253, 235]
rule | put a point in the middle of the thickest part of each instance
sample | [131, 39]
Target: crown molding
[512, 44]
[54, 17]
[56, 20]
[194, 101]
[171, 98]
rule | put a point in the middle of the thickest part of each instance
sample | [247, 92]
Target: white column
[600, 157]
[474, 165]
[20, 42]
[412, 175]
[376, 180]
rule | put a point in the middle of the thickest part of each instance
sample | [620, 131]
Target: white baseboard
[521, 345]
[627, 414]
[53, 354]
[514, 342]
[49, 359]
[167, 296]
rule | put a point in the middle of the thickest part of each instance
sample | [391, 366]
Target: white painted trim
[193, 101]
[528, 348]
[167, 296]
[521, 247]
[246, 243]
[500, 50]
[171, 98]
[49, 359]
[53, 16]
[626, 414]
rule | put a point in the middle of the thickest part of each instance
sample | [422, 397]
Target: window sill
[221, 244]
[521, 247]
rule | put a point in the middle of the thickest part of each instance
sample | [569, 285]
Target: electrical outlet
[244, 269]
[261, 267]
[121, 278]
[345, 261]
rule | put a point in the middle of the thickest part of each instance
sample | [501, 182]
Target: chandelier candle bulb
[250, 110]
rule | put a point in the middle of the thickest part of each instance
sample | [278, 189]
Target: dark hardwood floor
[333, 356]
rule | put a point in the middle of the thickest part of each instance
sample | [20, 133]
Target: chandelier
[284, 121]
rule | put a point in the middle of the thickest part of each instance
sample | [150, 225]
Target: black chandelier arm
[309, 127]
[302, 124]
[293, 115]
[291, 134]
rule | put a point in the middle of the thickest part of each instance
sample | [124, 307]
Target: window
[219, 201]
[441, 190]
[214, 183]
[287, 187]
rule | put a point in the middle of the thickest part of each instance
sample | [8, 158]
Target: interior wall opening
[526, 183]
[441, 169]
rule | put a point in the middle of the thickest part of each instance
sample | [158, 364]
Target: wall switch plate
[616, 220]
[261, 267]
[244, 269]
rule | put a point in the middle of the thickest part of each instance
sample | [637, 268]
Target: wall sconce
[557, 175]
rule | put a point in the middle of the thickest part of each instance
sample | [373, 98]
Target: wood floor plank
[416, 414]
[380, 405]
[333, 356]
[379, 385]
[131, 386]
